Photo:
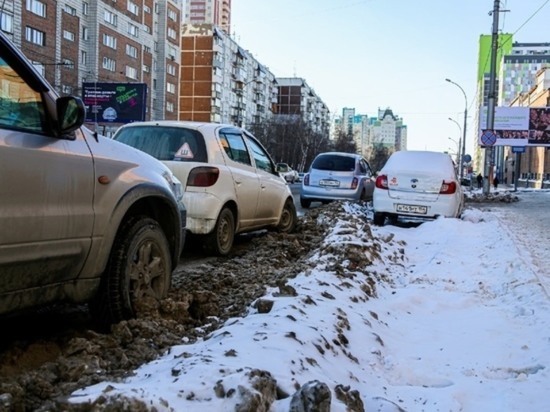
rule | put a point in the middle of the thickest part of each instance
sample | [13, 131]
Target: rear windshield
[165, 143]
[335, 163]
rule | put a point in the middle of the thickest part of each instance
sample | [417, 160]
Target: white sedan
[231, 183]
[418, 184]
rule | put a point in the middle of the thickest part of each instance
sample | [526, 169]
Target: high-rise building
[220, 81]
[102, 41]
[217, 12]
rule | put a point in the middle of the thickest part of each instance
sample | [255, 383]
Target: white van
[420, 184]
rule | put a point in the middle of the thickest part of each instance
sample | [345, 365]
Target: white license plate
[420, 210]
[328, 182]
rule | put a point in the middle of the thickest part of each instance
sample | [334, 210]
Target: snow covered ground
[449, 315]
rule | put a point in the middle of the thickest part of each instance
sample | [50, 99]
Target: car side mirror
[70, 114]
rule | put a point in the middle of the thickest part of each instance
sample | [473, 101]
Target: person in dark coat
[495, 182]
[479, 179]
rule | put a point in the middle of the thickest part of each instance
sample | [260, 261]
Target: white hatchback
[231, 184]
[419, 184]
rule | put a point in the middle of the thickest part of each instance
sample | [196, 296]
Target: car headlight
[175, 185]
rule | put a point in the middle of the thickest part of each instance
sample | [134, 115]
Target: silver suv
[82, 218]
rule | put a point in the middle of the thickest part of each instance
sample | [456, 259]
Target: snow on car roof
[419, 160]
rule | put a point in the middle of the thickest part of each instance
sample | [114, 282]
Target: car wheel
[287, 223]
[379, 219]
[139, 268]
[305, 203]
[220, 241]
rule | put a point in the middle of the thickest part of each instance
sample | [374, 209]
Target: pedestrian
[479, 179]
[495, 182]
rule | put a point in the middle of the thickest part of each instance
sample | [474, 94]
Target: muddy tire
[220, 241]
[379, 219]
[139, 268]
[287, 223]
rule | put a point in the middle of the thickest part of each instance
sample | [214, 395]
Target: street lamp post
[457, 152]
[463, 150]
[458, 156]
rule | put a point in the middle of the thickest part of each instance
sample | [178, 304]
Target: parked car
[288, 173]
[337, 176]
[420, 184]
[301, 176]
[83, 218]
[231, 184]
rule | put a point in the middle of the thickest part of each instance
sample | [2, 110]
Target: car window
[235, 147]
[334, 163]
[260, 157]
[21, 107]
[165, 143]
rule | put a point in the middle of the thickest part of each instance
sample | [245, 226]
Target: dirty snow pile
[444, 316]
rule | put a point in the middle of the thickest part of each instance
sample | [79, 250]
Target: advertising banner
[516, 126]
[114, 102]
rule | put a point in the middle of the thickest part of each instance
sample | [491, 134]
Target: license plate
[420, 210]
[328, 182]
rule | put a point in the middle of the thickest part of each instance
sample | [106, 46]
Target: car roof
[419, 160]
[339, 154]
[202, 126]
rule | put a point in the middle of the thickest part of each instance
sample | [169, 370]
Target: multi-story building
[519, 68]
[296, 98]
[531, 168]
[388, 130]
[102, 41]
[221, 82]
[216, 12]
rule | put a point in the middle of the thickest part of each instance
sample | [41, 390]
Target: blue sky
[371, 54]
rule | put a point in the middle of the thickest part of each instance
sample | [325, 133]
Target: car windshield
[165, 143]
[334, 163]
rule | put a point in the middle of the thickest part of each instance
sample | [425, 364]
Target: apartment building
[216, 12]
[296, 98]
[75, 42]
[220, 81]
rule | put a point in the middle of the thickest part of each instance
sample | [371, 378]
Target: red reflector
[447, 188]
[203, 176]
[382, 182]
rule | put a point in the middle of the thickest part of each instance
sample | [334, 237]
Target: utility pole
[489, 154]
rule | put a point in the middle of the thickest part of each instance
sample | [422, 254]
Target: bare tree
[378, 155]
[345, 142]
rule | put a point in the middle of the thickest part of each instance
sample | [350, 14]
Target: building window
[170, 87]
[172, 53]
[171, 69]
[131, 72]
[133, 30]
[66, 89]
[6, 22]
[69, 9]
[85, 33]
[146, 9]
[146, 69]
[83, 57]
[36, 7]
[40, 68]
[85, 8]
[170, 107]
[172, 33]
[109, 41]
[109, 64]
[35, 36]
[146, 49]
[110, 18]
[131, 51]
[172, 15]
[133, 8]
[68, 35]
[68, 64]
[146, 28]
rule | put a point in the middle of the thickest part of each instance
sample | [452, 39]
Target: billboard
[517, 126]
[114, 102]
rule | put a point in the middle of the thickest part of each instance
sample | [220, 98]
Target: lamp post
[459, 144]
[463, 150]
[457, 152]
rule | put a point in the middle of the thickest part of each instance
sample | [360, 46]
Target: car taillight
[382, 182]
[203, 176]
[306, 180]
[354, 183]
[447, 188]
